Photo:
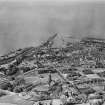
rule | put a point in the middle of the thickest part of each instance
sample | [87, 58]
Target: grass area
[15, 99]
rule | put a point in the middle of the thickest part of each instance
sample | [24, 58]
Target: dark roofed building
[93, 40]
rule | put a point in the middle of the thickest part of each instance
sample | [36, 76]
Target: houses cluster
[74, 71]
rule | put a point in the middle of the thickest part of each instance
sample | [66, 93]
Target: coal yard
[73, 74]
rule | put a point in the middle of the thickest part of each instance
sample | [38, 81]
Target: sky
[28, 23]
[53, 0]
